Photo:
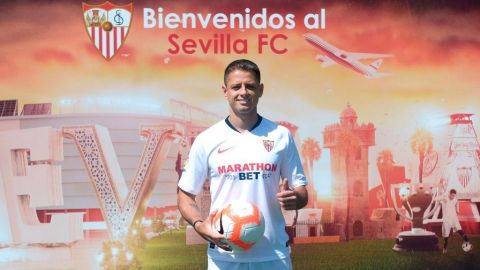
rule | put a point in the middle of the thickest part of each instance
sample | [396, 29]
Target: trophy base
[416, 240]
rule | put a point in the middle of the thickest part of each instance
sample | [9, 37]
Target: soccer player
[450, 218]
[245, 157]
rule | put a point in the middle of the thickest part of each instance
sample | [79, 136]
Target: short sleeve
[196, 169]
[291, 167]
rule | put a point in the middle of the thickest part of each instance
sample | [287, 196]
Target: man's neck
[243, 122]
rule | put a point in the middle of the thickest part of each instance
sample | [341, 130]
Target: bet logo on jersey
[107, 26]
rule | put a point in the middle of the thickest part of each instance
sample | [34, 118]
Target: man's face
[242, 92]
[452, 196]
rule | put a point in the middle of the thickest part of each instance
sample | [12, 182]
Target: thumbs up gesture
[284, 185]
[286, 197]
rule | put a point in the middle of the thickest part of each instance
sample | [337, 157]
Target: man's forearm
[188, 207]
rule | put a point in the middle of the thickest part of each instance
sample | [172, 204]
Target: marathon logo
[248, 171]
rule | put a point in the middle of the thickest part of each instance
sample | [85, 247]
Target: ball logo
[107, 26]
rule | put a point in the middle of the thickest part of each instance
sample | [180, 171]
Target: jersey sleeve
[195, 170]
[291, 167]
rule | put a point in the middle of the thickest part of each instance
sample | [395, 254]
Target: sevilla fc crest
[107, 26]
[268, 145]
[464, 174]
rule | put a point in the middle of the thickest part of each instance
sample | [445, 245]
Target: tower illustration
[349, 143]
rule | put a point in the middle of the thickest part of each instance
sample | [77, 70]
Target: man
[244, 144]
[450, 218]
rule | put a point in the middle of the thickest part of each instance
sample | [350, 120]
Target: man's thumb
[284, 185]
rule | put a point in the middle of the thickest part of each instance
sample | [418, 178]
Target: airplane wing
[325, 60]
[359, 56]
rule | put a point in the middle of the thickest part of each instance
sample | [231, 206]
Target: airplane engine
[320, 58]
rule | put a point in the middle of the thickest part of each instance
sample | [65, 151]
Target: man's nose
[243, 90]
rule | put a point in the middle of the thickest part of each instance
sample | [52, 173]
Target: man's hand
[190, 211]
[292, 199]
[206, 229]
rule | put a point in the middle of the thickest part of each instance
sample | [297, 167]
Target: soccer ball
[107, 26]
[241, 223]
[467, 247]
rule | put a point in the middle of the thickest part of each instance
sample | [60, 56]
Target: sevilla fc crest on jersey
[268, 145]
[107, 26]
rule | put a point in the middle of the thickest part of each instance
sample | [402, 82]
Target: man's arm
[191, 213]
[440, 198]
[292, 199]
[188, 206]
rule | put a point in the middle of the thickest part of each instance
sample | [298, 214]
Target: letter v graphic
[118, 203]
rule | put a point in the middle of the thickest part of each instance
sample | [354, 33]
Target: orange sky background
[46, 56]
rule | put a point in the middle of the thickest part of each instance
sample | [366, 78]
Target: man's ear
[224, 89]
[260, 90]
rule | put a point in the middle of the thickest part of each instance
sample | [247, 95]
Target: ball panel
[228, 227]
[251, 233]
[238, 209]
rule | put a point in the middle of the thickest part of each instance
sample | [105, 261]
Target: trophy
[418, 201]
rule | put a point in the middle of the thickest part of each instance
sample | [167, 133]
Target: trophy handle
[437, 204]
[429, 214]
[394, 199]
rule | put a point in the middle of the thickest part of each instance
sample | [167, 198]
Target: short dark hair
[242, 64]
[453, 191]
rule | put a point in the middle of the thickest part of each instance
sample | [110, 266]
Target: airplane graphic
[333, 55]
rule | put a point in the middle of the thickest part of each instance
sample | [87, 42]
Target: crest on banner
[107, 26]
[464, 174]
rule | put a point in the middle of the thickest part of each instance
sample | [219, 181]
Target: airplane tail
[376, 64]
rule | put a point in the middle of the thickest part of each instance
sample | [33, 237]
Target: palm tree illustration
[421, 143]
[347, 142]
[311, 152]
[385, 164]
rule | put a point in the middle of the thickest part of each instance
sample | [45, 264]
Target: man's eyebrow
[246, 84]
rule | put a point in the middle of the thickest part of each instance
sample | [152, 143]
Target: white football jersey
[246, 166]
[449, 210]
